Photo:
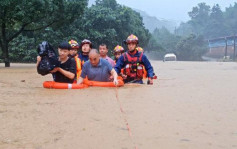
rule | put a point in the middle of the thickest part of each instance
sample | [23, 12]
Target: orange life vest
[79, 66]
[145, 73]
[82, 63]
[134, 68]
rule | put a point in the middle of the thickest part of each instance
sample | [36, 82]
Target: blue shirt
[101, 72]
[121, 64]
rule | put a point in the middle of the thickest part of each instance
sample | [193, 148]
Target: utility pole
[225, 47]
[234, 48]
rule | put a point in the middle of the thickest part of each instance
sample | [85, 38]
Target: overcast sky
[171, 9]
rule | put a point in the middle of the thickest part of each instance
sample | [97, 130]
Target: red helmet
[140, 49]
[118, 49]
[132, 39]
[74, 44]
[86, 41]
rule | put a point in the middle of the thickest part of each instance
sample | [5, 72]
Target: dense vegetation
[189, 41]
[24, 24]
[210, 22]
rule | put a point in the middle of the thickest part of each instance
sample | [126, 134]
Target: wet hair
[103, 44]
[64, 45]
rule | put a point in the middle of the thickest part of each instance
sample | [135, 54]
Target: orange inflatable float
[86, 83]
[103, 84]
[57, 85]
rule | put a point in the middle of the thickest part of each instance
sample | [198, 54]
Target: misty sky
[171, 9]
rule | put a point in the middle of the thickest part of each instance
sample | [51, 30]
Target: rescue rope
[125, 119]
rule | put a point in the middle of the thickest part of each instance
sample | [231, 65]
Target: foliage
[110, 23]
[57, 20]
[205, 22]
[210, 22]
[22, 50]
[35, 15]
[191, 48]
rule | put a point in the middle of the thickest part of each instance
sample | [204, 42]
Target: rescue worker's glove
[150, 81]
[154, 76]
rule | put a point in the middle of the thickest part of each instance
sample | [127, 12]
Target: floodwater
[193, 105]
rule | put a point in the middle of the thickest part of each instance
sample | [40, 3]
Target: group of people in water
[96, 65]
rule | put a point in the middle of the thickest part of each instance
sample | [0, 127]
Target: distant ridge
[151, 22]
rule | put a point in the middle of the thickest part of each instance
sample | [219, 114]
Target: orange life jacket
[82, 63]
[145, 73]
[134, 67]
[79, 66]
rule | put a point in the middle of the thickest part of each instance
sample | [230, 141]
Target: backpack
[49, 59]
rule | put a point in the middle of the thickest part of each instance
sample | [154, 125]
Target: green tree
[216, 26]
[110, 23]
[154, 46]
[191, 48]
[162, 42]
[105, 22]
[210, 22]
[199, 18]
[107, 3]
[21, 49]
[166, 39]
[29, 16]
[184, 29]
[230, 16]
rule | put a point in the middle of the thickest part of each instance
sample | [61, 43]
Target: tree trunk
[6, 59]
[7, 64]
[6, 54]
[4, 43]
[5, 51]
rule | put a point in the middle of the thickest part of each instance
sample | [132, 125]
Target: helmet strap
[133, 51]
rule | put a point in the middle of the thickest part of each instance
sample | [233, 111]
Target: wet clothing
[78, 66]
[121, 63]
[110, 60]
[83, 58]
[101, 72]
[69, 65]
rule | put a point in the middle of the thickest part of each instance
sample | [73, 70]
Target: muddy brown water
[193, 105]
